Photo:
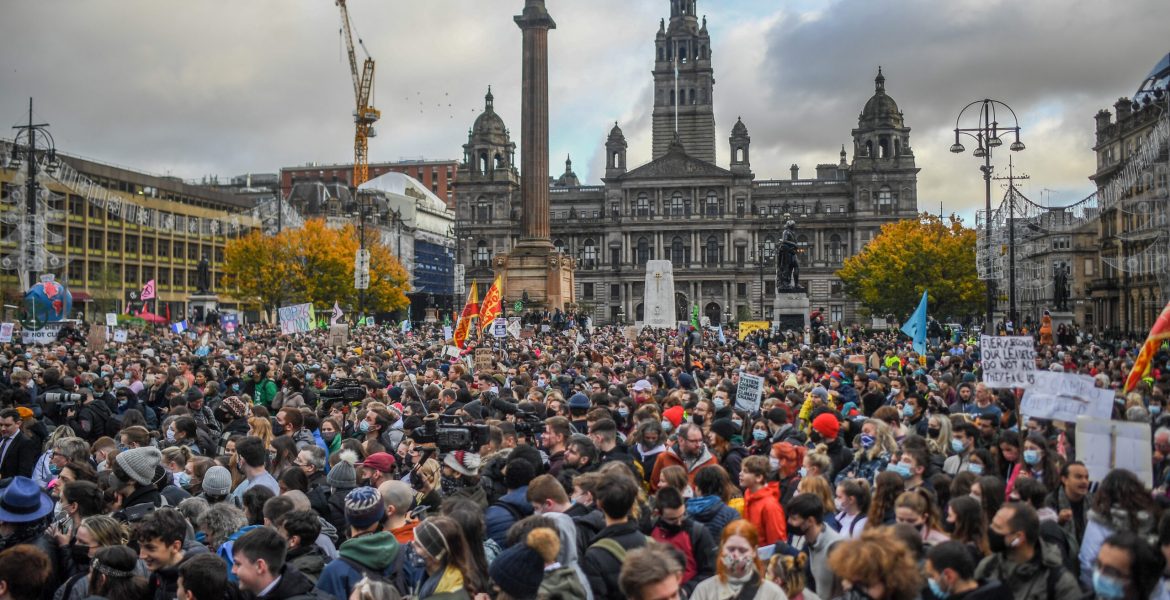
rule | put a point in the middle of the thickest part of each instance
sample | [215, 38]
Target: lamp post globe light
[986, 130]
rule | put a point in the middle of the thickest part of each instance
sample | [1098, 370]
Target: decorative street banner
[297, 318]
[746, 328]
[1066, 396]
[1008, 361]
[747, 394]
[1104, 445]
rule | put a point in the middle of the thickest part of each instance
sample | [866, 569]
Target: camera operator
[52, 392]
[92, 419]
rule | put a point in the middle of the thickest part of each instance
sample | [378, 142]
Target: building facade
[717, 225]
[113, 229]
[437, 175]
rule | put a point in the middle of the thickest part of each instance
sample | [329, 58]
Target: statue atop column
[203, 276]
[787, 266]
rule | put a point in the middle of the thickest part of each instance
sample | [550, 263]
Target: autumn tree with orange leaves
[911, 256]
[313, 264]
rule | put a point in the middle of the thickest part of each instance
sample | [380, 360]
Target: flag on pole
[915, 327]
[337, 314]
[179, 327]
[1158, 335]
[404, 326]
[470, 311]
[493, 304]
[147, 291]
[722, 338]
[695, 315]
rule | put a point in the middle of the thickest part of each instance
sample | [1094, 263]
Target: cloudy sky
[227, 87]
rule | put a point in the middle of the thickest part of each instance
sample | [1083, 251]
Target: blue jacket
[225, 550]
[498, 519]
[712, 512]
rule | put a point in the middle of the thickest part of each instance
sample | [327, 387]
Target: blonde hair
[180, 455]
[788, 572]
[261, 428]
[106, 530]
[819, 487]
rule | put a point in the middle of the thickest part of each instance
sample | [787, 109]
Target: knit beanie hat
[827, 425]
[463, 462]
[724, 428]
[363, 507]
[343, 476]
[217, 481]
[234, 406]
[518, 571]
[139, 463]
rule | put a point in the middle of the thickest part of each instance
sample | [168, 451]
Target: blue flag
[722, 338]
[915, 326]
[179, 327]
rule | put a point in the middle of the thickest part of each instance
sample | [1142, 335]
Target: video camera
[348, 390]
[528, 424]
[58, 404]
[448, 433]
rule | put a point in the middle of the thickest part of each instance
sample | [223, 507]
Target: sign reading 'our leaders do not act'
[1008, 361]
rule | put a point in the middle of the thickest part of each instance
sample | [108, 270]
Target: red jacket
[763, 510]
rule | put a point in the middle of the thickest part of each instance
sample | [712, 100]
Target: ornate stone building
[717, 225]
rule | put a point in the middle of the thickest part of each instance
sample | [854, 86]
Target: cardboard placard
[748, 393]
[1104, 445]
[527, 333]
[514, 327]
[1008, 361]
[97, 337]
[1066, 397]
[111, 319]
[338, 335]
[120, 336]
[297, 318]
[485, 360]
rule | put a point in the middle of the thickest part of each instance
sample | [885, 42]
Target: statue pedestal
[200, 305]
[790, 310]
[1064, 317]
[537, 268]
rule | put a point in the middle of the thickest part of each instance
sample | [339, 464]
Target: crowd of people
[208, 465]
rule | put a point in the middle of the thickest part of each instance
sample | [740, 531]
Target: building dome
[616, 134]
[488, 122]
[739, 129]
[881, 107]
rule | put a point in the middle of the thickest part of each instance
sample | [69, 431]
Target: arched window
[559, 244]
[589, 253]
[835, 249]
[677, 252]
[642, 206]
[483, 256]
[642, 253]
[711, 252]
[712, 204]
[676, 205]
[483, 162]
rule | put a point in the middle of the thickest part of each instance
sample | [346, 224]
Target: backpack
[512, 510]
[205, 440]
[394, 575]
[611, 546]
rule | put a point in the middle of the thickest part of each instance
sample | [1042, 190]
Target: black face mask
[698, 419]
[669, 528]
[995, 541]
[80, 554]
[933, 432]
[815, 437]
[329, 437]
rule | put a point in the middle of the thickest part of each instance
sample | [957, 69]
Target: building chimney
[795, 171]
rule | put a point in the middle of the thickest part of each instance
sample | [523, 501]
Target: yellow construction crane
[364, 115]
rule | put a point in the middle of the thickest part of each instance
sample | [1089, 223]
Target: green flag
[695, 316]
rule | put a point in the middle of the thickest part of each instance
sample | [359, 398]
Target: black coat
[20, 457]
[602, 567]
[292, 585]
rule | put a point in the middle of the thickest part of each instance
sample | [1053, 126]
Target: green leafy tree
[907, 257]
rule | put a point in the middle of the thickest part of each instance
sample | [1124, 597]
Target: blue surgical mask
[803, 472]
[623, 412]
[235, 387]
[975, 468]
[867, 441]
[1032, 457]
[717, 402]
[957, 446]
[170, 435]
[936, 589]
[54, 470]
[183, 479]
[738, 424]
[666, 425]
[1110, 588]
[908, 411]
[364, 426]
[1155, 409]
[901, 469]
[759, 435]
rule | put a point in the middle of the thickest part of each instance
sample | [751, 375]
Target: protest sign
[527, 333]
[448, 333]
[499, 328]
[1104, 445]
[6, 332]
[514, 327]
[1066, 396]
[338, 335]
[97, 337]
[112, 319]
[747, 394]
[485, 361]
[544, 328]
[120, 336]
[857, 359]
[631, 332]
[229, 322]
[1008, 361]
[451, 351]
[746, 328]
[297, 318]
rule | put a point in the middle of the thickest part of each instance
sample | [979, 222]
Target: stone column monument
[658, 303]
[790, 308]
[534, 266]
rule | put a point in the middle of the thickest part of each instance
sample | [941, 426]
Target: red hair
[744, 529]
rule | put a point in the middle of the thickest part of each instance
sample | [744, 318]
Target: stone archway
[714, 313]
[640, 312]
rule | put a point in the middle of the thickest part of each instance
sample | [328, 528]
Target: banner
[1104, 445]
[492, 305]
[1065, 397]
[1008, 361]
[747, 328]
[179, 327]
[747, 394]
[147, 291]
[1158, 334]
[297, 318]
[470, 311]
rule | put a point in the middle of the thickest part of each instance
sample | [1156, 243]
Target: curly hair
[878, 556]
[220, 521]
[888, 485]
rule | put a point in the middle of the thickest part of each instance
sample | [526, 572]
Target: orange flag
[492, 305]
[1141, 365]
[470, 311]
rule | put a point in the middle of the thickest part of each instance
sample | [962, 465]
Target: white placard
[120, 336]
[514, 327]
[452, 351]
[1008, 361]
[500, 328]
[747, 394]
[6, 332]
[1065, 397]
[1104, 445]
[112, 319]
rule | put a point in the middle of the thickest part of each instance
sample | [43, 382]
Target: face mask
[669, 528]
[736, 564]
[815, 437]
[235, 387]
[901, 469]
[666, 425]
[957, 446]
[623, 412]
[1155, 409]
[908, 411]
[1032, 457]
[839, 504]
[717, 402]
[364, 427]
[1107, 587]
[448, 485]
[995, 541]
[933, 432]
[775, 462]
[936, 589]
[329, 437]
[803, 472]
[80, 554]
[170, 435]
[55, 470]
[975, 468]
[759, 435]
[184, 480]
[867, 441]
[698, 419]
[738, 424]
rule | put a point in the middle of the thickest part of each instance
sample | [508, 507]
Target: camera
[528, 424]
[58, 404]
[448, 433]
[347, 390]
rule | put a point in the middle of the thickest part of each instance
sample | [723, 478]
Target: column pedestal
[537, 268]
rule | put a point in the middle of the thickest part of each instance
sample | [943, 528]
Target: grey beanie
[217, 481]
[343, 476]
[140, 463]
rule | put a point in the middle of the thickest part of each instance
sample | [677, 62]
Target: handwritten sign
[1008, 361]
[338, 335]
[747, 394]
[297, 318]
[1065, 397]
[514, 327]
[120, 336]
[112, 319]
[1104, 445]
[485, 360]
[448, 333]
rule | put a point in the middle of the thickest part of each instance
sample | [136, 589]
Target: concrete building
[436, 175]
[718, 225]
